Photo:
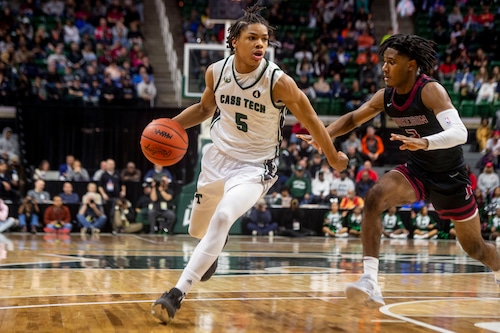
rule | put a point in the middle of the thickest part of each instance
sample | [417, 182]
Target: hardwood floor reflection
[107, 284]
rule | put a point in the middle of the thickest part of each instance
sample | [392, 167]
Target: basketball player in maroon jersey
[432, 134]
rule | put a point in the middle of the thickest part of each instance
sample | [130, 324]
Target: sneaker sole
[160, 311]
[358, 296]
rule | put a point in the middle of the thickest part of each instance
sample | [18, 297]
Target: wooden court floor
[107, 284]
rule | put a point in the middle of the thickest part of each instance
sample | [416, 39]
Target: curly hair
[251, 16]
[422, 50]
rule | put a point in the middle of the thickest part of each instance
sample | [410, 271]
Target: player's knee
[375, 198]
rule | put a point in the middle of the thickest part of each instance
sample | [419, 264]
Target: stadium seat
[467, 108]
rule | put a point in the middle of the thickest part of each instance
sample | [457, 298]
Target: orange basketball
[164, 141]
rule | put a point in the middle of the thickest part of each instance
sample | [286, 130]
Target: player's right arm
[358, 117]
[204, 109]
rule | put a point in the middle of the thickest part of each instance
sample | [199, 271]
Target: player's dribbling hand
[409, 143]
[309, 139]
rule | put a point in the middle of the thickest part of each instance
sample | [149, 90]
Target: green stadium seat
[322, 105]
[467, 108]
[484, 109]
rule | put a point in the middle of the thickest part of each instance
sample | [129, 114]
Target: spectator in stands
[372, 146]
[75, 94]
[447, 70]
[338, 88]
[292, 221]
[57, 217]
[440, 35]
[124, 218]
[120, 33]
[364, 184]
[367, 166]
[91, 214]
[487, 91]
[67, 195]
[334, 222]
[455, 16]
[480, 59]
[356, 160]
[109, 92]
[486, 19]
[66, 166]
[464, 82]
[58, 58]
[77, 173]
[305, 85]
[351, 200]
[393, 226]
[99, 172]
[305, 67]
[260, 220]
[425, 227]
[342, 185]
[146, 92]
[9, 146]
[354, 97]
[365, 40]
[131, 173]
[128, 93]
[300, 185]
[7, 190]
[353, 221]
[111, 186]
[71, 33]
[470, 19]
[93, 94]
[102, 33]
[483, 133]
[57, 94]
[75, 59]
[28, 213]
[488, 180]
[320, 189]
[38, 193]
[322, 88]
[161, 198]
[481, 77]
[142, 205]
[54, 8]
[365, 56]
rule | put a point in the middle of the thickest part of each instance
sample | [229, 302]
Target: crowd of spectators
[88, 52]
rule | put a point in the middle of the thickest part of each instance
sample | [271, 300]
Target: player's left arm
[435, 97]
[287, 91]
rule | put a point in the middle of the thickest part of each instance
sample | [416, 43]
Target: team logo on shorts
[227, 79]
[256, 94]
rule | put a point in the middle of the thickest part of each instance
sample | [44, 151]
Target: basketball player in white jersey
[247, 96]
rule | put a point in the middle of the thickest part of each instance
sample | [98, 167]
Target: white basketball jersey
[248, 123]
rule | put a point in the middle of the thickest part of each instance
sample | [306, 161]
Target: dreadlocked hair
[251, 16]
[417, 48]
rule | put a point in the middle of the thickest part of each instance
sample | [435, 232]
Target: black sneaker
[211, 270]
[164, 308]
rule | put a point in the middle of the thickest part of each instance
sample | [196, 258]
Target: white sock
[370, 267]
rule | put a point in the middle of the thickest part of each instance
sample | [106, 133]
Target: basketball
[164, 141]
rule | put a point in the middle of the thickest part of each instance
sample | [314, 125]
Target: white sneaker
[419, 236]
[364, 292]
[344, 235]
